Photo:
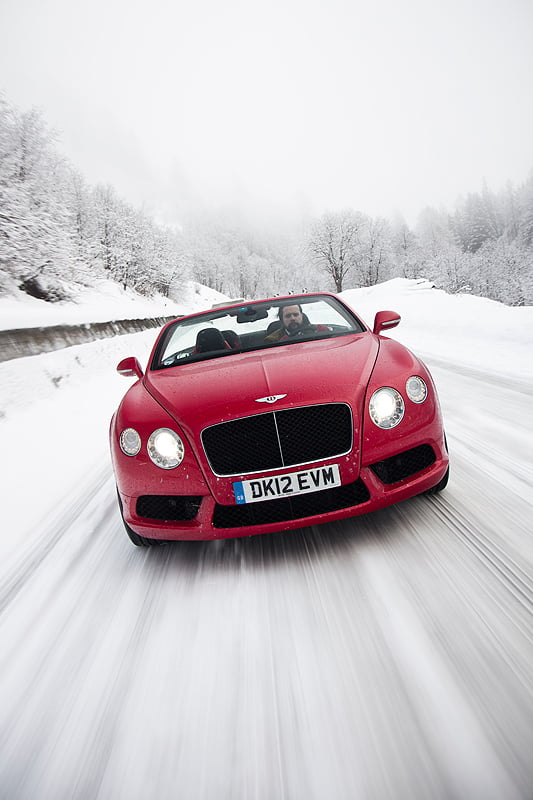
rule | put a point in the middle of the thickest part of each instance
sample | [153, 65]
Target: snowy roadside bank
[54, 417]
[105, 302]
[25, 342]
[472, 332]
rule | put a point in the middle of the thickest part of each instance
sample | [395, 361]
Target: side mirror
[130, 368]
[384, 320]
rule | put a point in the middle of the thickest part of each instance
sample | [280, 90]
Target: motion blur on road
[385, 656]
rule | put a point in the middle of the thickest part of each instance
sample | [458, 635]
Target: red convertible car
[273, 414]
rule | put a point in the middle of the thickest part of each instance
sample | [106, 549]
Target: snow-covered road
[387, 656]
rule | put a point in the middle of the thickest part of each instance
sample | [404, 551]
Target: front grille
[290, 508]
[277, 439]
[395, 469]
[173, 508]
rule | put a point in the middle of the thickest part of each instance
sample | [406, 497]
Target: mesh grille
[173, 508]
[395, 469]
[290, 508]
[279, 439]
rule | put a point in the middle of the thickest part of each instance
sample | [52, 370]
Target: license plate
[276, 486]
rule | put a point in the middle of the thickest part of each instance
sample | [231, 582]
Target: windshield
[253, 326]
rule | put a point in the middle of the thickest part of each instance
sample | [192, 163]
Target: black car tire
[441, 484]
[138, 541]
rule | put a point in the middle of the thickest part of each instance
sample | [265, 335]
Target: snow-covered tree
[407, 253]
[373, 252]
[525, 225]
[56, 231]
[332, 244]
[35, 242]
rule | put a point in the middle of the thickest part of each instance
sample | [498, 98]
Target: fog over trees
[57, 233]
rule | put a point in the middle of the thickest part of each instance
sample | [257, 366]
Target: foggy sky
[280, 106]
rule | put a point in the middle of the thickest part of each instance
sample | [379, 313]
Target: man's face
[292, 318]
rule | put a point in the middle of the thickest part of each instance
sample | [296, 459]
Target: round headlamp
[416, 389]
[130, 442]
[386, 407]
[165, 448]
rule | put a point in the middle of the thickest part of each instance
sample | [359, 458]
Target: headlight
[130, 442]
[165, 448]
[416, 389]
[386, 407]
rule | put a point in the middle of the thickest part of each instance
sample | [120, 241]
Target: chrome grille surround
[275, 440]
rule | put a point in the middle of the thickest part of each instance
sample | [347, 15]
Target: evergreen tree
[525, 225]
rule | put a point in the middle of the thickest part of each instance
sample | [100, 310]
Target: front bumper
[200, 517]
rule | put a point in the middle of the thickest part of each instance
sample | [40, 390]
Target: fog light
[416, 389]
[130, 442]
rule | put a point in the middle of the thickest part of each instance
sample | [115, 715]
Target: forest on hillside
[58, 233]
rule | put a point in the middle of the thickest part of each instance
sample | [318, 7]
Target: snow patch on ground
[104, 302]
[471, 331]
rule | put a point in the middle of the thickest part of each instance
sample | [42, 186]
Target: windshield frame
[251, 312]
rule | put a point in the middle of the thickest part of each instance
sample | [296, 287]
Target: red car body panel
[191, 397]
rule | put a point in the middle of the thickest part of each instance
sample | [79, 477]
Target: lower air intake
[172, 508]
[402, 466]
[291, 508]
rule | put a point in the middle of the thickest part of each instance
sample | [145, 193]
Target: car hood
[208, 392]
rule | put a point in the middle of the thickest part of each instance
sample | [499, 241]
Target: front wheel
[441, 484]
[138, 541]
